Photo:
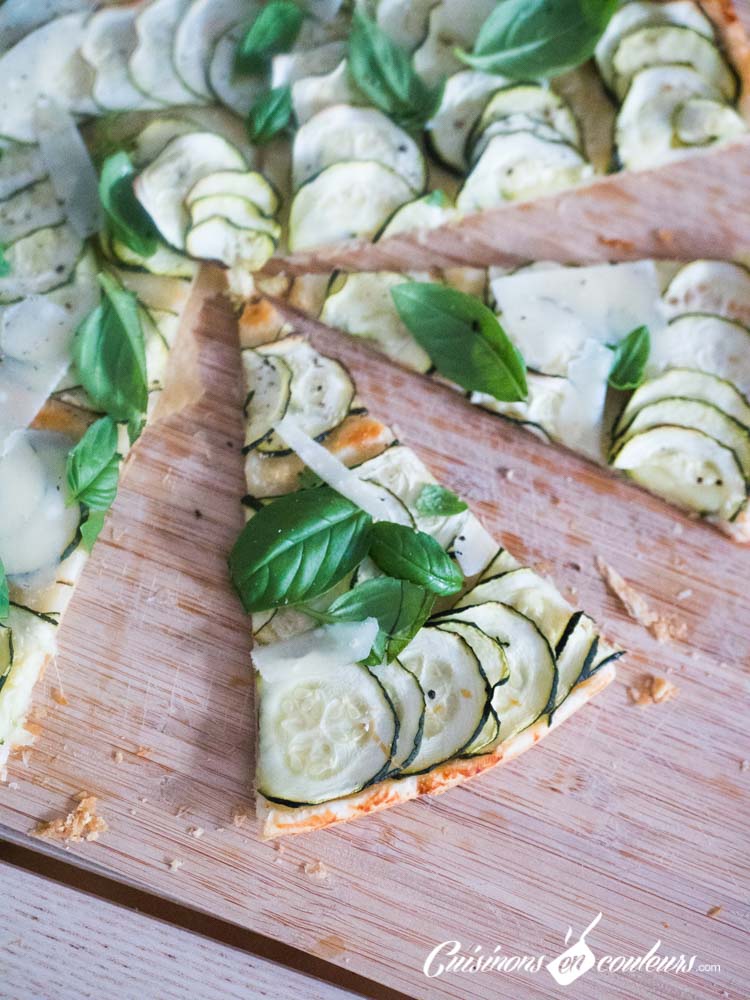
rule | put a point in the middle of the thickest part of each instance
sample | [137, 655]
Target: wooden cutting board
[639, 813]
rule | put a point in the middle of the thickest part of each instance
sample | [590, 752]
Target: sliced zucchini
[313, 94]
[108, 43]
[46, 63]
[644, 132]
[362, 305]
[709, 343]
[428, 212]
[38, 527]
[539, 104]
[348, 200]
[520, 166]
[639, 13]
[687, 467]
[19, 18]
[219, 239]
[241, 212]
[20, 166]
[320, 393]
[655, 45]
[485, 739]
[408, 701]
[289, 67]
[342, 132]
[238, 93]
[146, 145]
[406, 22]
[465, 96]
[490, 652]
[165, 262]
[703, 122]
[457, 696]
[576, 657]
[452, 24]
[32, 208]
[393, 510]
[151, 67]
[685, 383]
[198, 31]
[6, 652]
[323, 733]
[39, 262]
[706, 417]
[710, 286]
[520, 122]
[243, 184]
[269, 381]
[164, 184]
[532, 680]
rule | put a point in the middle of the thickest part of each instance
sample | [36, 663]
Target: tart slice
[399, 649]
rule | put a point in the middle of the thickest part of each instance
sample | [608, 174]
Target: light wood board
[638, 812]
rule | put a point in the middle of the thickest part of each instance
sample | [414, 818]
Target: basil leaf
[400, 607]
[274, 30]
[463, 339]
[4, 593]
[270, 114]
[4, 262]
[631, 356]
[91, 528]
[532, 39]
[437, 501]
[127, 218]
[415, 556]
[383, 72]
[110, 356]
[297, 548]
[94, 466]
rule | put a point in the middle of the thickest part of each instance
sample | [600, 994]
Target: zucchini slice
[323, 733]
[38, 527]
[706, 417]
[406, 22]
[520, 122]
[165, 262]
[639, 13]
[219, 239]
[655, 45]
[289, 67]
[164, 184]
[242, 183]
[485, 739]
[151, 140]
[457, 696]
[575, 654]
[710, 343]
[347, 200]
[312, 94]
[685, 383]
[490, 652]
[46, 63]
[20, 166]
[238, 93]
[269, 382]
[151, 66]
[464, 98]
[539, 104]
[241, 212]
[203, 23]
[320, 393]
[32, 208]
[408, 701]
[342, 132]
[428, 212]
[530, 689]
[362, 306]
[710, 286]
[688, 468]
[644, 131]
[452, 24]
[521, 166]
[108, 43]
[703, 122]
[39, 262]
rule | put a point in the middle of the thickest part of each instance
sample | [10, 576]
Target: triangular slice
[399, 649]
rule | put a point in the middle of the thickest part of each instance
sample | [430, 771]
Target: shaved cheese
[329, 647]
[69, 166]
[580, 421]
[474, 547]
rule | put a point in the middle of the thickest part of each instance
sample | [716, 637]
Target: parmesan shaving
[332, 645]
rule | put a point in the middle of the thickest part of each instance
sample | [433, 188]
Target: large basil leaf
[533, 39]
[94, 466]
[91, 528]
[274, 30]
[412, 555]
[400, 607]
[298, 547]
[270, 115]
[631, 357]
[383, 72]
[110, 356]
[463, 339]
[435, 500]
[127, 219]
[4, 593]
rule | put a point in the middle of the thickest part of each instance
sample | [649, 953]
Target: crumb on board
[118, 756]
[174, 864]
[82, 823]
[663, 629]
[714, 911]
[181, 810]
[745, 765]
[316, 870]
[143, 751]
[239, 816]
[652, 691]
[58, 696]
[196, 831]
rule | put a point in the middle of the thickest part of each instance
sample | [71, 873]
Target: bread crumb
[181, 812]
[652, 691]
[239, 816]
[685, 594]
[82, 823]
[744, 765]
[118, 756]
[316, 870]
[714, 911]
[59, 697]
[175, 864]
[143, 751]
[196, 831]
[663, 629]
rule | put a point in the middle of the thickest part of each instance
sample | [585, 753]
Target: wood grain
[56, 942]
[639, 813]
